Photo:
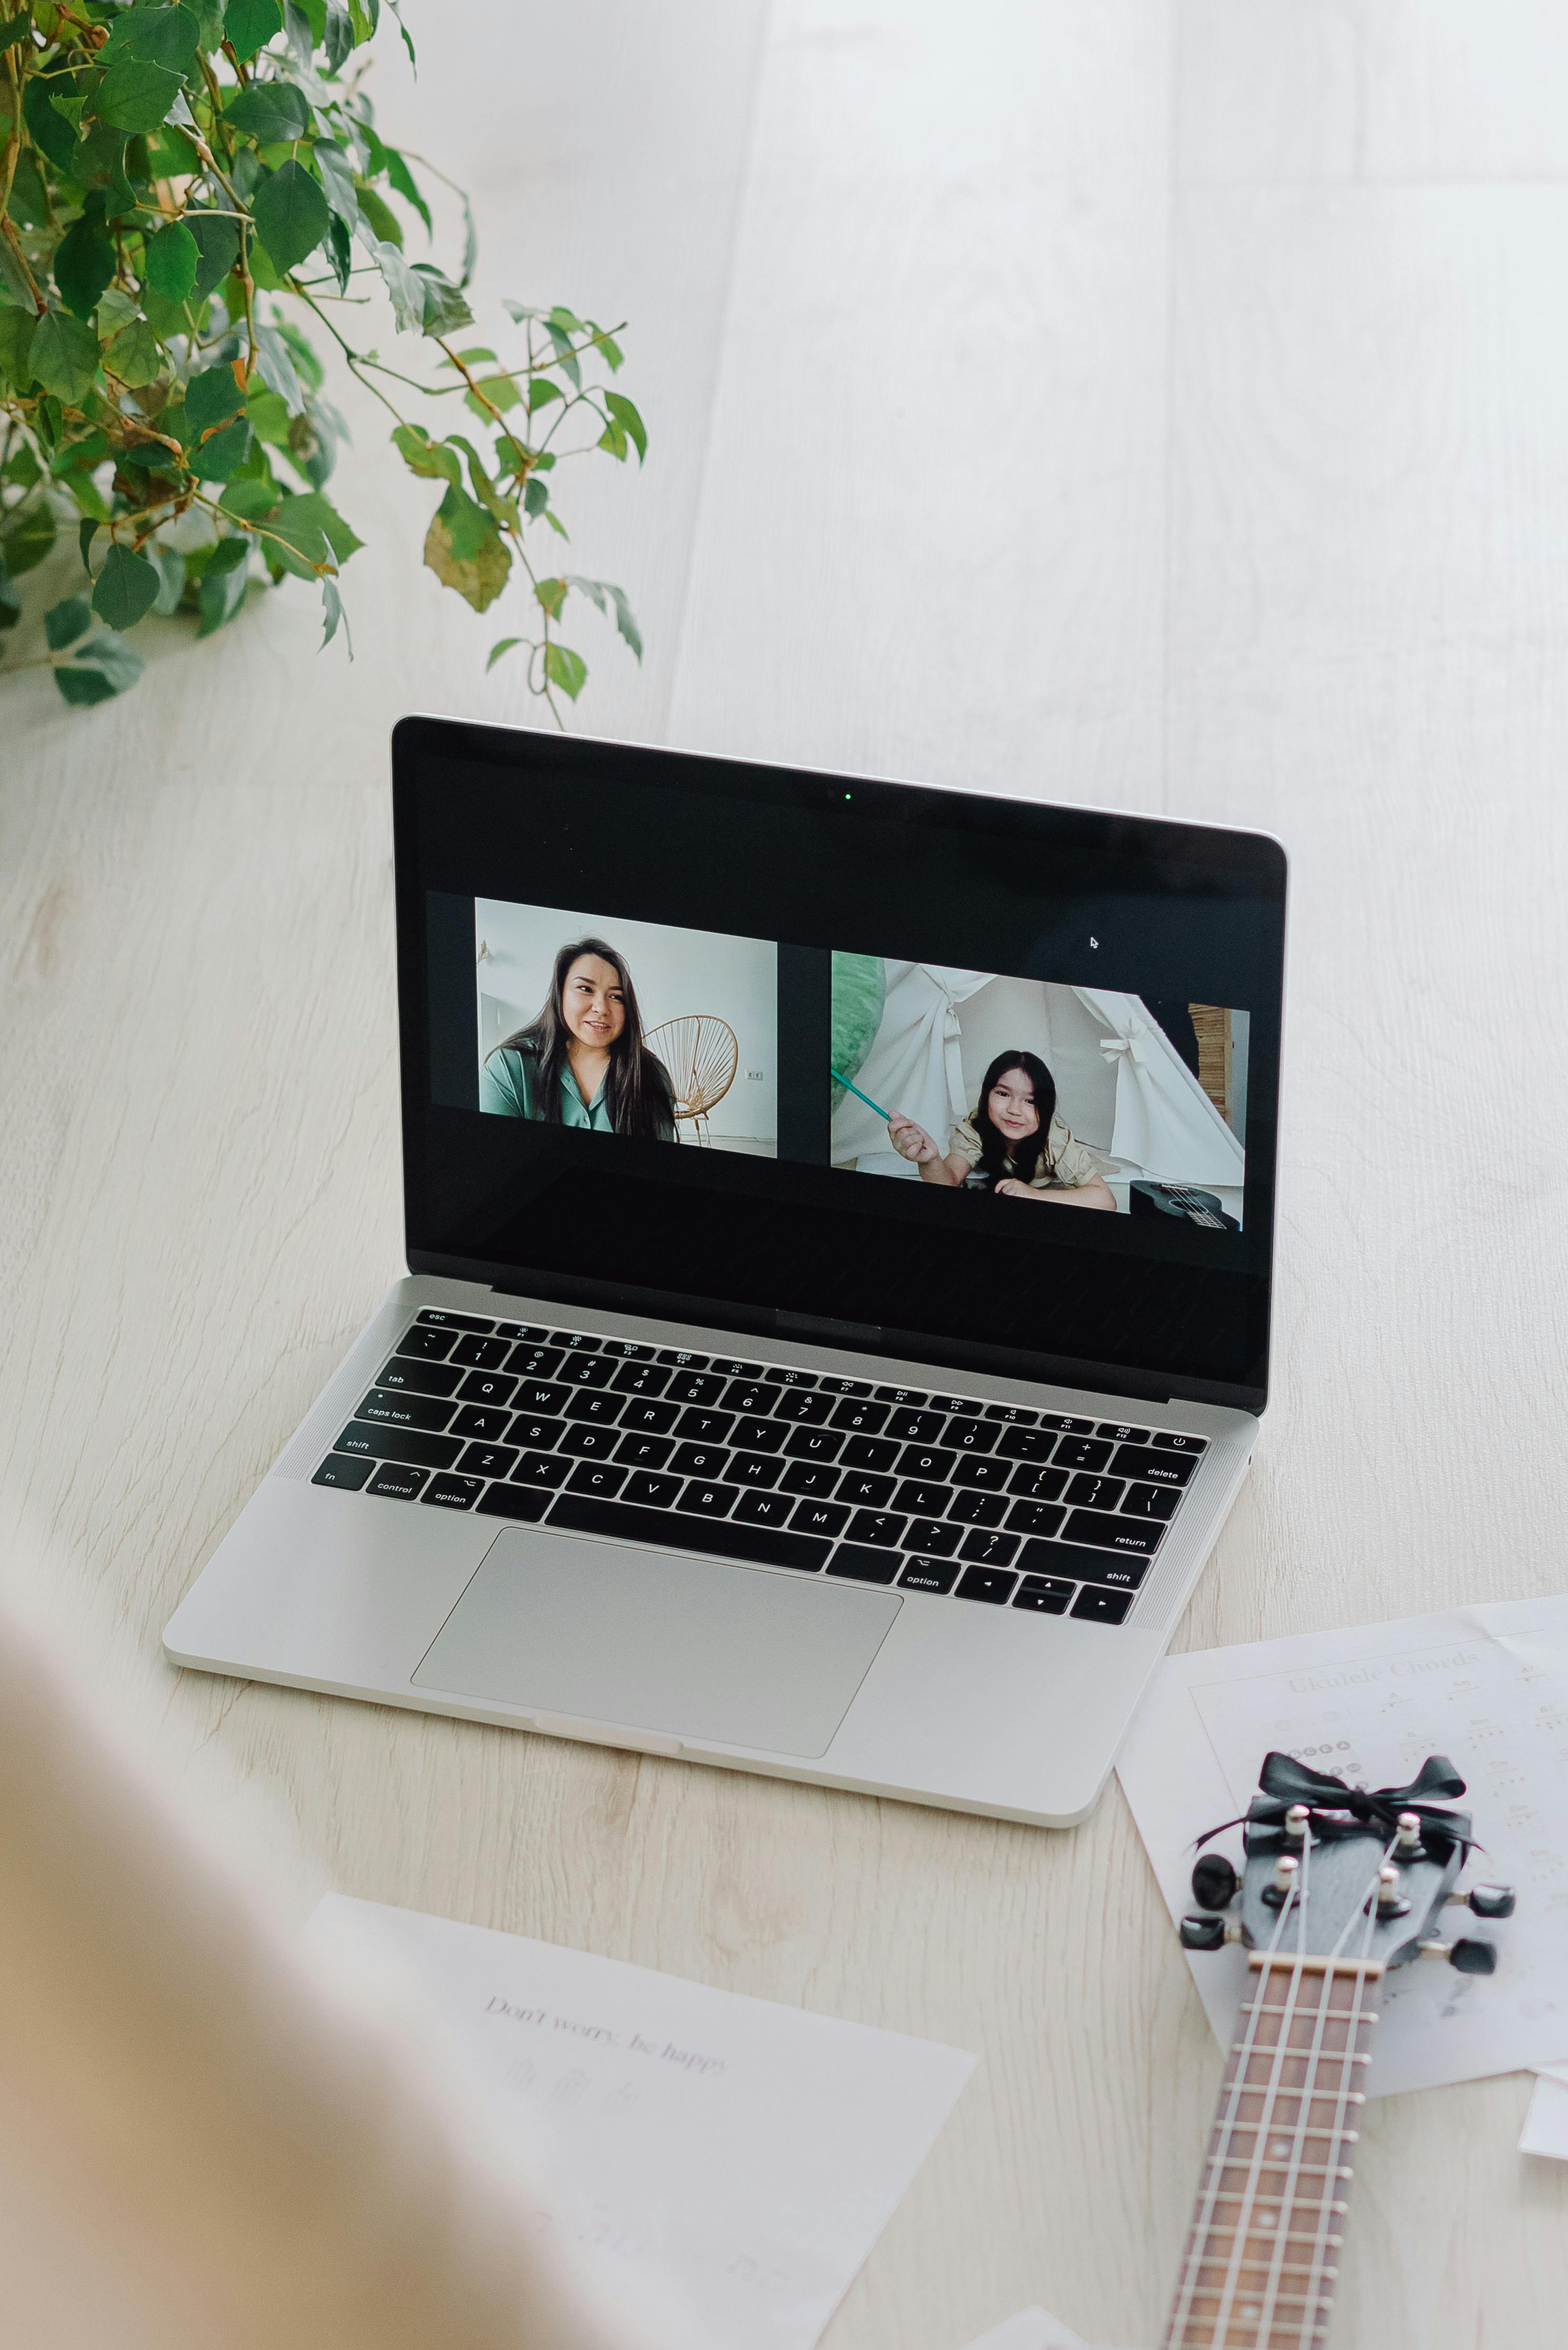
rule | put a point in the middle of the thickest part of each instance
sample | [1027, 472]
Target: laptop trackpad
[685, 1645]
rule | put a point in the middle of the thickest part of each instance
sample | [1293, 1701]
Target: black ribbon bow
[1283, 1782]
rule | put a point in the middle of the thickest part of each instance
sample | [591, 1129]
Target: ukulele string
[1225, 2131]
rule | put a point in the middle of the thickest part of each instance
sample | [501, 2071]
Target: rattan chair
[701, 1054]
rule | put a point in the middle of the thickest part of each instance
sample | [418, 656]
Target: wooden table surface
[1161, 406]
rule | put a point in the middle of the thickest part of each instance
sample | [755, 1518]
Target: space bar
[625, 1522]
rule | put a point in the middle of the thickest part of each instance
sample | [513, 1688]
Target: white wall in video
[1047, 1094]
[623, 1027]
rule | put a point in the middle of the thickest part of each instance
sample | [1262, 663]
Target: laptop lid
[930, 1074]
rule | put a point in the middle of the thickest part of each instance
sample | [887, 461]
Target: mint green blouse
[507, 1084]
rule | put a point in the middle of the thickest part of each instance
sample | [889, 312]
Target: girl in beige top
[1014, 1142]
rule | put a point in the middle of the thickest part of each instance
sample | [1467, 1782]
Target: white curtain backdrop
[1165, 1125]
[914, 1065]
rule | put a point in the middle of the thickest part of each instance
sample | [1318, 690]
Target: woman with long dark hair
[582, 1062]
[1014, 1145]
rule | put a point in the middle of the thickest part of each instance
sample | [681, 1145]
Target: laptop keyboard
[774, 1466]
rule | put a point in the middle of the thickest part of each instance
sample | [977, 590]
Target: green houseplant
[194, 196]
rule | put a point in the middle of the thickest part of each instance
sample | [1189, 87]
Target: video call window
[633, 1028]
[1051, 1095]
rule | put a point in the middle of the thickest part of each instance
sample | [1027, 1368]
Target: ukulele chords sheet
[1486, 1686]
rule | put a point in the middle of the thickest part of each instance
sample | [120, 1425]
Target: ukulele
[1340, 1885]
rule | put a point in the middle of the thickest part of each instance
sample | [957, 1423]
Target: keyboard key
[588, 1370]
[748, 1396]
[1098, 1566]
[427, 1345]
[404, 1410]
[546, 1469]
[1034, 1485]
[914, 1427]
[819, 1517]
[931, 1466]
[481, 1354]
[865, 1566]
[628, 1350]
[758, 1470]
[763, 1509]
[961, 1407]
[729, 1367]
[1080, 1452]
[813, 1444]
[489, 1460]
[1086, 1492]
[865, 1492]
[590, 1444]
[534, 1362]
[1149, 1501]
[1062, 1424]
[989, 1549]
[815, 1477]
[453, 1492]
[984, 1474]
[877, 1527]
[1015, 1414]
[528, 1428]
[596, 1477]
[1134, 1538]
[703, 1461]
[783, 1379]
[804, 1408]
[1047, 1595]
[654, 1493]
[929, 1574]
[522, 1504]
[680, 1359]
[986, 1582]
[759, 1545]
[705, 1426]
[699, 1387]
[1102, 1607]
[869, 1452]
[395, 1483]
[545, 1396]
[858, 1415]
[978, 1509]
[640, 1379]
[756, 1435]
[1026, 1444]
[363, 1436]
[594, 1404]
[936, 1536]
[971, 1435]
[528, 1330]
[915, 1396]
[705, 1500]
[339, 1470]
[651, 1418]
[1171, 1440]
[437, 1317]
[834, 1386]
[922, 1501]
[1120, 1433]
[490, 1387]
[403, 1372]
[1035, 1518]
[1160, 1468]
[579, 1342]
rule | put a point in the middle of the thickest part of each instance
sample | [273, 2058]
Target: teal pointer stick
[860, 1097]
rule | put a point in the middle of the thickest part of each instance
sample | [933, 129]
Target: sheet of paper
[1546, 2127]
[1487, 1687]
[1032, 2329]
[737, 2159]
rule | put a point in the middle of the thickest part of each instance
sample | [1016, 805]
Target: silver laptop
[839, 1223]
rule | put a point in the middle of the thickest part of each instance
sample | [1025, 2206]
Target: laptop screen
[973, 1080]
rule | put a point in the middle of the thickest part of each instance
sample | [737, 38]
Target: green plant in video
[185, 189]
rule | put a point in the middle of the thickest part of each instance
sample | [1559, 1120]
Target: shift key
[399, 1444]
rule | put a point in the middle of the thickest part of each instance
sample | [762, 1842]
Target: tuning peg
[1469, 1958]
[1491, 1900]
[1214, 1882]
[1202, 1933]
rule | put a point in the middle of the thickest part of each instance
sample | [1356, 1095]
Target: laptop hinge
[822, 1326]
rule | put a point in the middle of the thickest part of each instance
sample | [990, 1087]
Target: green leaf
[126, 588]
[102, 668]
[333, 617]
[500, 391]
[338, 178]
[626, 415]
[170, 262]
[170, 579]
[136, 96]
[84, 264]
[403, 29]
[277, 369]
[16, 341]
[406, 290]
[401, 179]
[444, 306]
[218, 241]
[10, 602]
[556, 525]
[211, 397]
[536, 498]
[503, 509]
[250, 25]
[338, 35]
[291, 215]
[477, 577]
[158, 37]
[87, 531]
[566, 321]
[17, 28]
[48, 128]
[65, 622]
[504, 646]
[134, 355]
[222, 592]
[467, 525]
[220, 457]
[565, 669]
[312, 512]
[115, 310]
[613, 439]
[269, 113]
[363, 16]
[552, 594]
[624, 620]
[251, 501]
[27, 537]
[384, 223]
[542, 391]
[64, 358]
[432, 458]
